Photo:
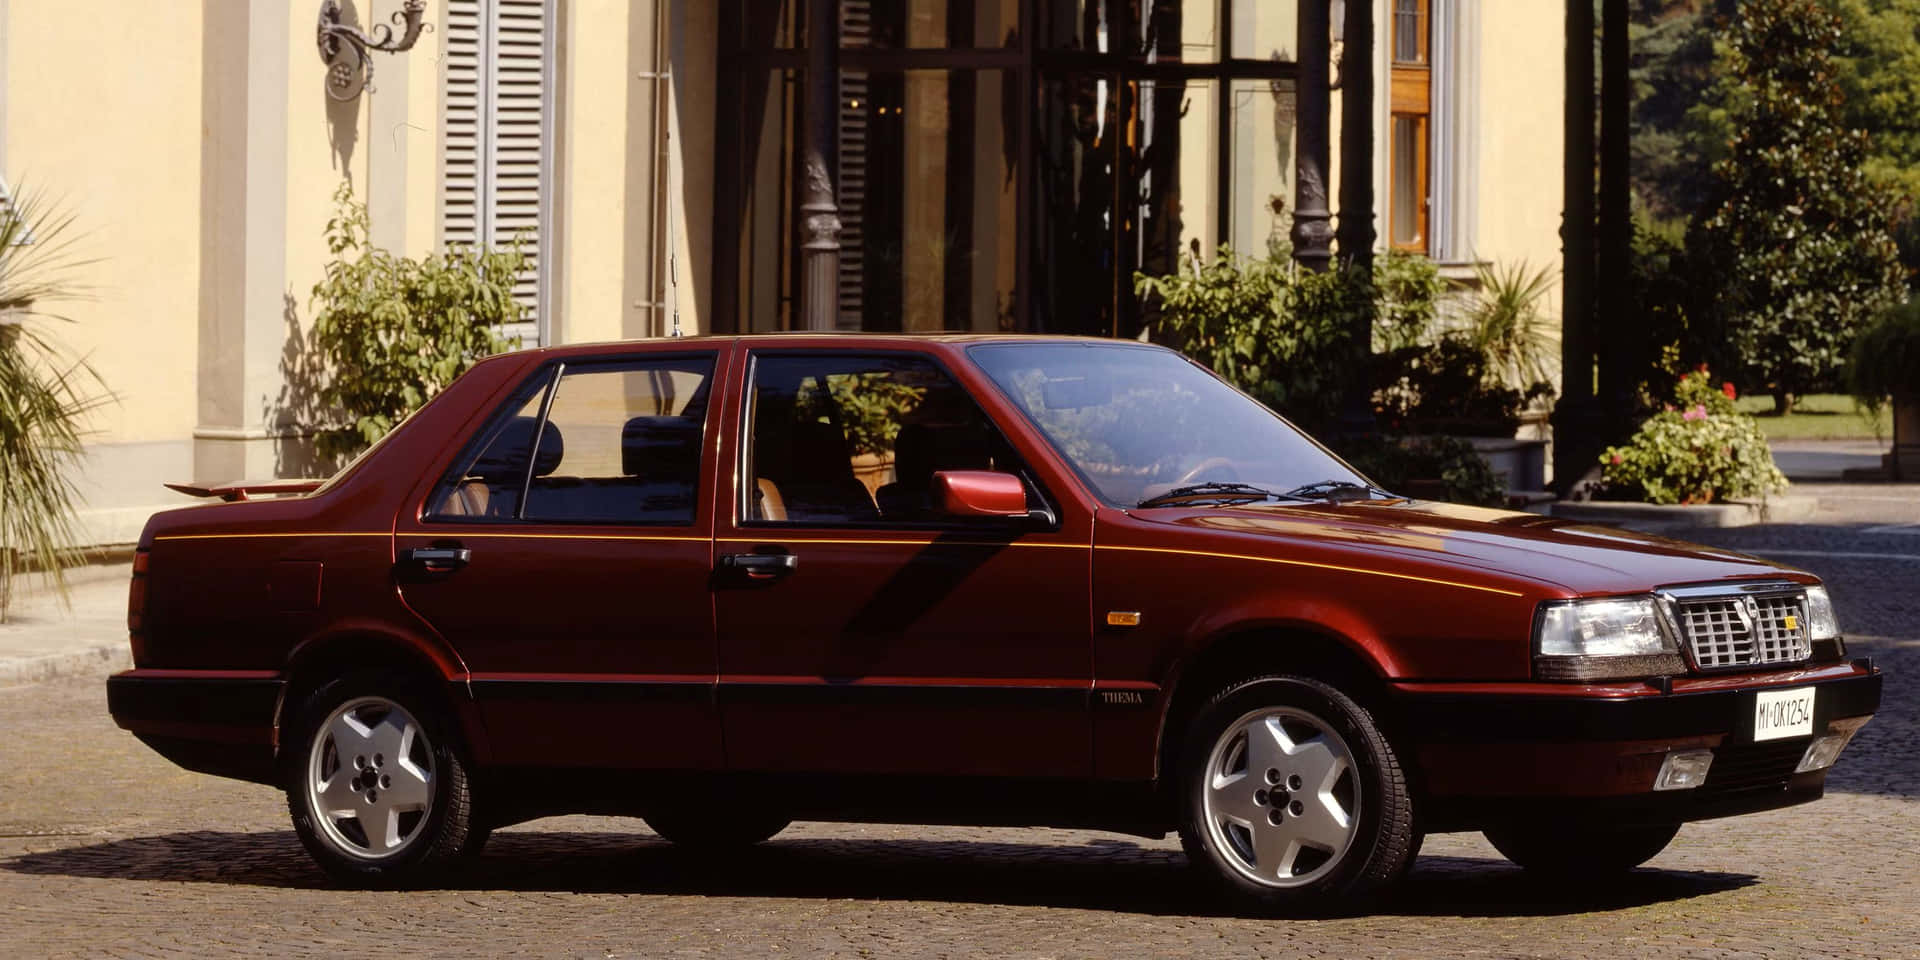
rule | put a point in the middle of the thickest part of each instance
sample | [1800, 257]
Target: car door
[566, 555]
[862, 631]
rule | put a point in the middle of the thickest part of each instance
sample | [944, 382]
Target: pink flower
[1727, 388]
[1618, 459]
[1699, 412]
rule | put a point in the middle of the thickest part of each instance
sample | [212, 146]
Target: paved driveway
[107, 850]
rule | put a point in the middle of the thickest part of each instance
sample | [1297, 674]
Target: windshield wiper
[1338, 491]
[1211, 490]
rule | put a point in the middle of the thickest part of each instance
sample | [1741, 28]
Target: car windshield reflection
[1138, 422]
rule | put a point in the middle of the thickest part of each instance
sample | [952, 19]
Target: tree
[1797, 235]
[1879, 71]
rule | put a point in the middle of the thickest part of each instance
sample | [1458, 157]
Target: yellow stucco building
[999, 164]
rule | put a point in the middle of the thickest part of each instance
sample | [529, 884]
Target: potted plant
[1699, 450]
[1886, 365]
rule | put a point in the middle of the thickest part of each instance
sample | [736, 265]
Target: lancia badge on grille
[1749, 610]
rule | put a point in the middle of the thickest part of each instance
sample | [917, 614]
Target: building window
[1005, 164]
[497, 128]
[1409, 132]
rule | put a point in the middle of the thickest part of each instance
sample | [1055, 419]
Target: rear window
[591, 443]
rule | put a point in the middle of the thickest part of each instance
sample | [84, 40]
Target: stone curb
[93, 661]
[1660, 518]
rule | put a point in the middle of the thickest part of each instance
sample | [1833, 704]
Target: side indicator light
[1123, 618]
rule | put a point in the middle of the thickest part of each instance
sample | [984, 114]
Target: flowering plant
[1699, 449]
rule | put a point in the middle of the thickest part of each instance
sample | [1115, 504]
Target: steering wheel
[1221, 467]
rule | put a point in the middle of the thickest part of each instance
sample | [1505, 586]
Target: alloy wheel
[370, 778]
[1280, 797]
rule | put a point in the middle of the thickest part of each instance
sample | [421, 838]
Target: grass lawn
[1821, 416]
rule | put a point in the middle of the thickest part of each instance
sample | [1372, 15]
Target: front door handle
[761, 566]
[438, 559]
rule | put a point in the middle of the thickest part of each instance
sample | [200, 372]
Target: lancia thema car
[725, 584]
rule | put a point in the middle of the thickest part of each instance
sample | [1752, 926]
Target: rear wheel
[1579, 851]
[377, 791]
[1293, 800]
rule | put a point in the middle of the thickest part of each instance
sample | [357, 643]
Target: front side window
[1138, 421]
[615, 442]
[837, 439]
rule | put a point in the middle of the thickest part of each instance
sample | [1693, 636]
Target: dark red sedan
[724, 584]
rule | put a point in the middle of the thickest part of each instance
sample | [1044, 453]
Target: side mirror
[979, 493]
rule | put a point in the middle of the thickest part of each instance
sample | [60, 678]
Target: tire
[1267, 837]
[375, 782]
[716, 828]
[1577, 851]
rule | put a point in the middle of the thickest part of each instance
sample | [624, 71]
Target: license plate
[1780, 714]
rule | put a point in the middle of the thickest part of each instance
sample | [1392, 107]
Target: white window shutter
[497, 119]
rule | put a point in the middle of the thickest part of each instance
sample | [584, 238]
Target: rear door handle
[439, 559]
[761, 566]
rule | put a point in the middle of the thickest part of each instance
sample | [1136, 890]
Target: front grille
[1739, 631]
[1757, 766]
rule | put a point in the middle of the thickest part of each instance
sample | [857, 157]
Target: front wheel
[1579, 851]
[1293, 800]
[378, 793]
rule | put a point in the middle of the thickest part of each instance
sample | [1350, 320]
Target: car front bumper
[219, 722]
[1493, 753]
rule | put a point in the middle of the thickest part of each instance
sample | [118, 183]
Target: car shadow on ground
[1115, 875]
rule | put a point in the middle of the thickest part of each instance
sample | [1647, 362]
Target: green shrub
[1699, 452]
[1281, 334]
[45, 396]
[1261, 327]
[392, 331]
[1885, 360]
[1433, 467]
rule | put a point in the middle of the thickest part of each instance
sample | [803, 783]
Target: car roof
[850, 339]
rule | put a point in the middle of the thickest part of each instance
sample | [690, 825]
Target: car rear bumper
[219, 722]
[1541, 751]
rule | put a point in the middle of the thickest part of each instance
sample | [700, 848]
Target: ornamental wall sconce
[344, 47]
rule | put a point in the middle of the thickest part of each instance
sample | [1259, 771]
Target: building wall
[1521, 143]
[105, 123]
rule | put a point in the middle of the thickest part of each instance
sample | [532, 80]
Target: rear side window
[598, 443]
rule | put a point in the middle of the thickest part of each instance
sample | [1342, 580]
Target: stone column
[1312, 231]
[244, 292]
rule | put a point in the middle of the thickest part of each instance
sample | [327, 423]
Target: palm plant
[45, 396]
[1508, 326]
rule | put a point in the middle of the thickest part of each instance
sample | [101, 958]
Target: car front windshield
[1140, 421]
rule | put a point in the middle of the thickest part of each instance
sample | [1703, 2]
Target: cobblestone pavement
[106, 850]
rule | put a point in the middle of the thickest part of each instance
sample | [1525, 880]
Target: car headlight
[1821, 623]
[1605, 639]
[1823, 627]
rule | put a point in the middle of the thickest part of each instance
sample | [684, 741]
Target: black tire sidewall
[449, 780]
[1354, 874]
